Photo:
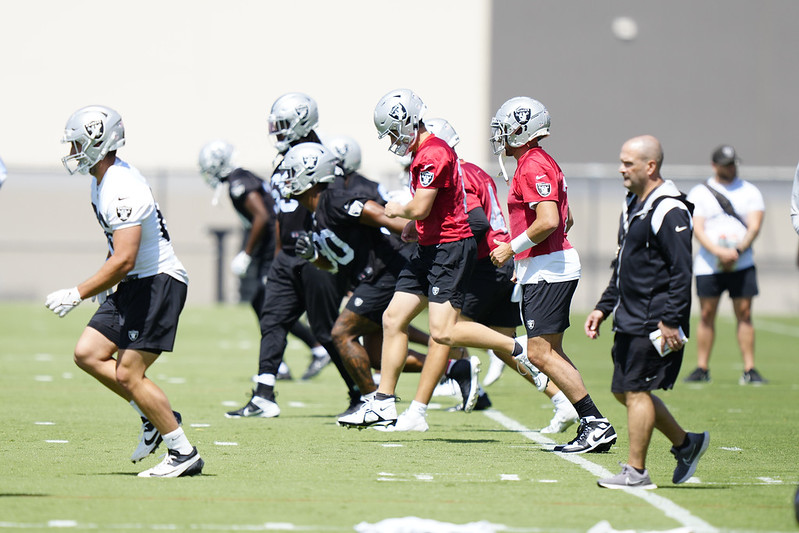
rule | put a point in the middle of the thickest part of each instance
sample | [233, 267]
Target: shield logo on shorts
[435, 291]
[426, 178]
[133, 334]
[358, 302]
[531, 324]
[544, 189]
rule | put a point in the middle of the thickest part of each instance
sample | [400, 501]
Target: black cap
[725, 155]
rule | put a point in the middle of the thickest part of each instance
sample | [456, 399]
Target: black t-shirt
[240, 184]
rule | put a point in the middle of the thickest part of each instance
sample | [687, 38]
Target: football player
[139, 321]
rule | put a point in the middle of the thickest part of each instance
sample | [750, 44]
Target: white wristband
[521, 243]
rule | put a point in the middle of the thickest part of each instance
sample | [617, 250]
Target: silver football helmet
[293, 116]
[443, 130]
[346, 149]
[304, 166]
[216, 162]
[399, 114]
[517, 122]
[93, 131]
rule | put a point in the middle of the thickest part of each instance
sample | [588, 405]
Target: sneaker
[752, 377]
[464, 372]
[698, 375]
[408, 421]
[283, 372]
[565, 417]
[629, 478]
[446, 387]
[688, 457]
[316, 366]
[525, 367]
[495, 368]
[372, 412]
[177, 465]
[594, 435]
[483, 403]
[149, 439]
[258, 406]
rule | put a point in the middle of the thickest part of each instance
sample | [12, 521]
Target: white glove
[63, 301]
[240, 264]
[101, 297]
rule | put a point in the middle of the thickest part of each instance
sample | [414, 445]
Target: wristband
[521, 243]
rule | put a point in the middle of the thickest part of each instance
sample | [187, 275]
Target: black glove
[304, 247]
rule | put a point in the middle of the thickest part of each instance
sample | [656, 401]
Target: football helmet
[304, 166]
[399, 114]
[93, 131]
[443, 130]
[216, 162]
[517, 122]
[347, 150]
[293, 116]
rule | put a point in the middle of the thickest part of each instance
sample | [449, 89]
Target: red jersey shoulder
[434, 163]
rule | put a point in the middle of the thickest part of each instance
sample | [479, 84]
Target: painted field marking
[223, 443]
[669, 508]
[45, 423]
[775, 327]
[55, 441]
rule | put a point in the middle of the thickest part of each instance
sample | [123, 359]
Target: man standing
[649, 295]
[727, 219]
[138, 322]
[547, 266]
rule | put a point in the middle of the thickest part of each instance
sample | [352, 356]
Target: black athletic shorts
[739, 284]
[488, 295]
[545, 307]
[142, 314]
[638, 367]
[439, 272]
[370, 299]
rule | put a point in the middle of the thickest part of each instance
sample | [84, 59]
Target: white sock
[136, 408]
[266, 379]
[419, 407]
[318, 351]
[177, 441]
[560, 399]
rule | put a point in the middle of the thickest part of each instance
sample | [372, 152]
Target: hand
[305, 248]
[63, 301]
[501, 254]
[101, 297]
[240, 264]
[592, 323]
[409, 233]
[671, 337]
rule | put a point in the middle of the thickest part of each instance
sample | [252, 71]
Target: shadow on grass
[22, 495]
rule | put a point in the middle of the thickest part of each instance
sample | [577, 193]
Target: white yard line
[666, 506]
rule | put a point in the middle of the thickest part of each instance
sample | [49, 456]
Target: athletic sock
[319, 351]
[517, 348]
[640, 470]
[419, 407]
[381, 396]
[586, 407]
[559, 399]
[176, 440]
[266, 379]
[265, 391]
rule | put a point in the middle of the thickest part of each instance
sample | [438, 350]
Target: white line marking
[731, 449]
[45, 423]
[200, 425]
[770, 480]
[54, 441]
[296, 404]
[391, 445]
[223, 443]
[775, 327]
[509, 477]
[43, 379]
[669, 508]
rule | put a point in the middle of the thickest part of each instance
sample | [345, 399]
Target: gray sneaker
[628, 478]
[688, 457]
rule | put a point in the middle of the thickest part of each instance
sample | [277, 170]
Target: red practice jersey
[482, 192]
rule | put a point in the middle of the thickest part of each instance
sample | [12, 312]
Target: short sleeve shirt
[482, 192]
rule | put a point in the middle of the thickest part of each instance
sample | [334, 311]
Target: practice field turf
[66, 442]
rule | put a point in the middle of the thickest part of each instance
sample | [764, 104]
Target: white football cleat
[177, 465]
[372, 412]
[408, 421]
[565, 416]
[495, 368]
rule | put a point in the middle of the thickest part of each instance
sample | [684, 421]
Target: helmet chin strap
[502, 168]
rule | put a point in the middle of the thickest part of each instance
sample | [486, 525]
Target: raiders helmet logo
[341, 150]
[398, 112]
[435, 291]
[95, 129]
[123, 213]
[310, 161]
[522, 115]
[544, 189]
[302, 111]
[133, 334]
[426, 178]
[531, 324]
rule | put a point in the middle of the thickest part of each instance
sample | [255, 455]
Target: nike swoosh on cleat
[149, 442]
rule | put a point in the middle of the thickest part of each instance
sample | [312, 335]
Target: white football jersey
[720, 227]
[124, 199]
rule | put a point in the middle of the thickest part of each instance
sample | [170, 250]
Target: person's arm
[676, 248]
[417, 209]
[726, 256]
[547, 220]
[255, 206]
[754, 221]
[374, 215]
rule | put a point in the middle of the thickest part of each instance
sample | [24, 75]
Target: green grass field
[66, 442]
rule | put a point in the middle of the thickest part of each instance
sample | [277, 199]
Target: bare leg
[396, 319]
[706, 331]
[348, 328]
[131, 366]
[94, 354]
[546, 353]
[746, 331]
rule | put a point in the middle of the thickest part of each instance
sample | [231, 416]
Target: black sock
[586, 407]
[265, 391]
[640, 470]
[684, 444]
[517, 349]
[381, 396]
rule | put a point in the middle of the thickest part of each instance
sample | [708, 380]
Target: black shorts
[638, 367]
[488, 295]
[370, 299]
[142, 314]
[545, 307]
[439, 272]
[739, 284]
